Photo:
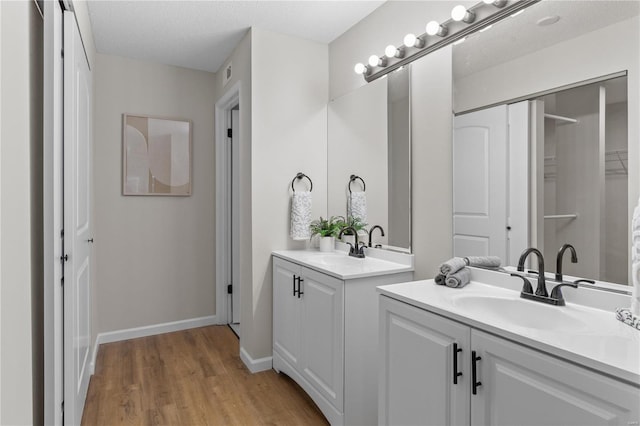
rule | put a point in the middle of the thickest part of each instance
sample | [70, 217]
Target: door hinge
[64, 258]
[62, 233]
[230, 289]
[62, 53]
[62, 282]
[229, 133]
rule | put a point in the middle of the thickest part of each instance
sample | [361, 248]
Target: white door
[521, 386]
[286, 311]
[424, 363]
[480, 184]
[77, 226]
[323, 334]
[235, 213]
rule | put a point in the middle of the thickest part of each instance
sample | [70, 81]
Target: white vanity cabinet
[514, 383]
[308, 330]
[325, 333]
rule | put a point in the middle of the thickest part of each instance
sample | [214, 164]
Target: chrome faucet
[541, 289]
[574, 259]
[354, 251]
[371, 232]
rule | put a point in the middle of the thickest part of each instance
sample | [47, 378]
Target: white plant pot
[349, 239]
[327, 244]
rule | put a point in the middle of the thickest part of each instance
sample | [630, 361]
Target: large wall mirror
[369, 137]
[542, 136]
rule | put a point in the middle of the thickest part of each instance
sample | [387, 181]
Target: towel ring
[301, 175]
[353, 178]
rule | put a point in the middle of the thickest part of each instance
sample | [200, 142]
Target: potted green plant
[350, 222]
[327, 230]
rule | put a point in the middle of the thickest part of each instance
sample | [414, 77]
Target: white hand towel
[357, 206]
[300, 215]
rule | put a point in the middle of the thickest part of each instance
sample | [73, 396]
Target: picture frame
[156, 155]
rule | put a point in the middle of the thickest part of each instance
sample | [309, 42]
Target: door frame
[53, 222]
[223, 109]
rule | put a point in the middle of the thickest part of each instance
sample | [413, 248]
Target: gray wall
[154, 255]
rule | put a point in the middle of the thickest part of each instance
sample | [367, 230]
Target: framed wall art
[156, 155]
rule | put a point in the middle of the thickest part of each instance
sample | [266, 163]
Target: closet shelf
[560, 118]
[561, 216]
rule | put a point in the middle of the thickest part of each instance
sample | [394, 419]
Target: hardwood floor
[191, 377]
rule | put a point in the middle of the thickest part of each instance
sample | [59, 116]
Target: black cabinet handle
[456, 373]
[294, 284]
[300, 292]
[474, 383]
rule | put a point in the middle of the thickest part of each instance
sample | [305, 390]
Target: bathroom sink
[521, 312]
[337, 259]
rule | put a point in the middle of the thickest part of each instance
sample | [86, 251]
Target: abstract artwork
[156, 156]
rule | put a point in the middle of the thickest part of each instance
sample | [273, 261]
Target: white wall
[18, 138]
[289, 134]
[357, 144]
[154, 255]
[605, 51]
[431, 128]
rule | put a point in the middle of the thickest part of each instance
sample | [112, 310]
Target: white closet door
[480, 183]
[77, 224]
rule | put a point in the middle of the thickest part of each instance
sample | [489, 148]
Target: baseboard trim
[148, 330]
[256, 365]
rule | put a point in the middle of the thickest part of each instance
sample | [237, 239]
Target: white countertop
[585, 335]
[338, 264]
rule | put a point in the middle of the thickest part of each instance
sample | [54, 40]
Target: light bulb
[460, 13]
[433, 27]
[374, 60]
[390, 51]
[410, 40]
[359, 68]
[496, 3]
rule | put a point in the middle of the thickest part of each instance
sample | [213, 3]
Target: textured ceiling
[202, 34]
[520, 35]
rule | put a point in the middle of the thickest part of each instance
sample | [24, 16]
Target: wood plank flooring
[191, 377]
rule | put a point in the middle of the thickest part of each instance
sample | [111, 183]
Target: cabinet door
[323, 334]
[521, 386]
[286, 312]
[417, 367]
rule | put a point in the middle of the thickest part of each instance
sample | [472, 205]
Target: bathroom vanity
[325, 326]
[482, 355]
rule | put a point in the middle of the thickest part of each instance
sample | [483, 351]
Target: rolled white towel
[635, 261]
[459, 279]
[357, 206]
[300, 215]
[626, 316]
[452, 266]
[439, 279]
[483, 261]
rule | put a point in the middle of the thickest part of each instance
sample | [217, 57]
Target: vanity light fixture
[434, 28]
[464, 21]
[461, 13]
